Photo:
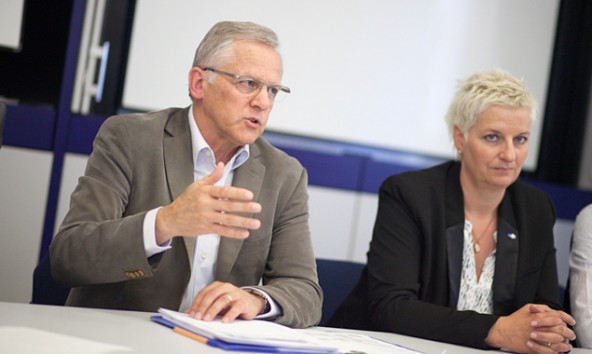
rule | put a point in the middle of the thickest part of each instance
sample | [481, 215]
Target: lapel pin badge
[511, 236]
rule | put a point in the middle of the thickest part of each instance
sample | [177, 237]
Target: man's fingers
[213, 177]
[238, 222]
[219, 306]
[232, 206]
[234, 310]
[205, 298]
[231, 193]
[230, 232]
[216, 299]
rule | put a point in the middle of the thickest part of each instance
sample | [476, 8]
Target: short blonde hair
[481, 91]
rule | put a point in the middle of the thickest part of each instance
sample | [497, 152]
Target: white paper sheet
[356, 343]
[272, 334]
[253, 332]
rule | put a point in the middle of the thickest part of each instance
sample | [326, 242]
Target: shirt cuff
[274, 309]
[149, 234]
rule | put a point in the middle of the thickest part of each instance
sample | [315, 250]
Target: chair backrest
[46, 291]
[337, 278]
[2, 119]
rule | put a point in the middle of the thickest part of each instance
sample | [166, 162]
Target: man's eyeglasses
[248, 85]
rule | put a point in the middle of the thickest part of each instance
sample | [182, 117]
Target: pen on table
[191, 335]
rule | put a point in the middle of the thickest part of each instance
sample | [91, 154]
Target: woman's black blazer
[412, 279]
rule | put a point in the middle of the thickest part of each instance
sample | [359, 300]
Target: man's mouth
[254, 121]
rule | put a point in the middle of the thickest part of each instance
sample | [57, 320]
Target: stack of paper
[254, 335]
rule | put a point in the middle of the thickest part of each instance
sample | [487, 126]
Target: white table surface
[133, 332]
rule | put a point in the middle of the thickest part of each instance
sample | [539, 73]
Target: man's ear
[196, 79]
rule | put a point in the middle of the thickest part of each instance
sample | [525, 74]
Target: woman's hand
[533, 329]
[551, 328]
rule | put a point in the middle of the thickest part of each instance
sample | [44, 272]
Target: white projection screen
[372, 72]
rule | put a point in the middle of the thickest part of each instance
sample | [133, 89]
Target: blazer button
[133, 274]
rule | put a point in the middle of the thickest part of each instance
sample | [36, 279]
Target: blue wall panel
[30, 127]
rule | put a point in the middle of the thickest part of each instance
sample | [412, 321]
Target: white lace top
[476, 295]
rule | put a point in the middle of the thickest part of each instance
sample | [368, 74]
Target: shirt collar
[198, 143]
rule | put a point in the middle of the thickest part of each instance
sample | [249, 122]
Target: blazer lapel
[178, 161]
[506, 262]
[248, 176]
[506, 259]
[455, 223]
[454, 246]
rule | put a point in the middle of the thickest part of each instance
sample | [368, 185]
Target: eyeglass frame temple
[238, 77]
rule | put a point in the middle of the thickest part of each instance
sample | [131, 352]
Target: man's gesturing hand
[205, 208]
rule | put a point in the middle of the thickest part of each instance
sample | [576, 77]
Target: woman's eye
[491, 138]
[521, 140]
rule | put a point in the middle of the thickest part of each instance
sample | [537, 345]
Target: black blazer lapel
[454, 245]
[455, 222]
[506, 259]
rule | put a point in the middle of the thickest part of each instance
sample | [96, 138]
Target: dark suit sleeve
[407, 268]
[537, 280]
[547, 291]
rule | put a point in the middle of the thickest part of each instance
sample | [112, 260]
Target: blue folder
[241, 347]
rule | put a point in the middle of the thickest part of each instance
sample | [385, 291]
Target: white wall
[11, 21]
[24, 183]
[377, 72]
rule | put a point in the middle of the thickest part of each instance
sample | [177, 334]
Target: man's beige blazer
[143, 161]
